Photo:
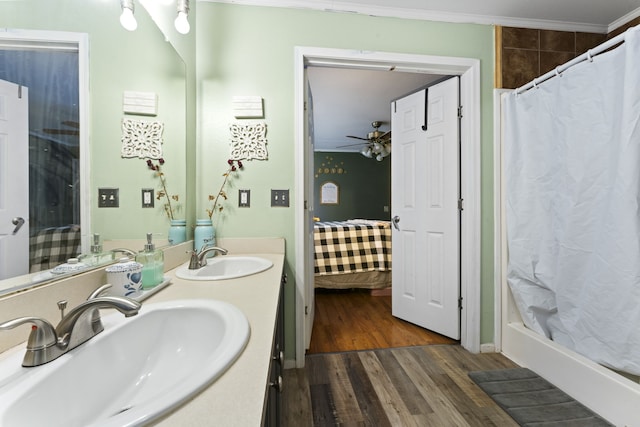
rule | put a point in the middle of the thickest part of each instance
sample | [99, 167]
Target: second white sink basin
[225, 267]
[135, 371]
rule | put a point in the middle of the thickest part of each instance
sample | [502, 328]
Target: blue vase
[204, 234]
[177, 231]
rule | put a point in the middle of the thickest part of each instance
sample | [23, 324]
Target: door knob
[396, 220]
[18, 222]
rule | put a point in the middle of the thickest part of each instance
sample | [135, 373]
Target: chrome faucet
[82, 323]
[198, 258]
[128, 252]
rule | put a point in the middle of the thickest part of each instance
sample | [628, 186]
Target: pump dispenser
[96, 256]
[152, 261]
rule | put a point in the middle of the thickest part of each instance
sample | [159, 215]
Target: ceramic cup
[125, 278]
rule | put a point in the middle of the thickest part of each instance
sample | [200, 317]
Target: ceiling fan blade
[353, 145]
[61, 131]
[386, 135]
[357, 137]
[71, 123]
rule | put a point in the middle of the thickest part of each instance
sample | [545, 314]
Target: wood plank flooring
[354, 376]
[409, 386]
[348, 320]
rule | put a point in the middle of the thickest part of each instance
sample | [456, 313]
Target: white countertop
[237, 397]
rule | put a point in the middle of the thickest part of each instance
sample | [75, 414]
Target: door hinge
[460, 112]
[305, 205]
[460, 303]
[20, 92]
[306, 310]
[304, 107]
[460, 204]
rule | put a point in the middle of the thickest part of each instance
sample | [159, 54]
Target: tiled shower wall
[523, 54]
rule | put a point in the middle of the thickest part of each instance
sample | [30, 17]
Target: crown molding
[430, 15]
[623, 20]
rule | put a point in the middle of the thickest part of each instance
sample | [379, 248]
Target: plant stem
[166, 194]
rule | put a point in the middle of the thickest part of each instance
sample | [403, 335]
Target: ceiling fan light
[379, 157]
[366, 151]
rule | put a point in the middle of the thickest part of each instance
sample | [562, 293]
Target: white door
[309, 297]
[14, 180]
[424, 197]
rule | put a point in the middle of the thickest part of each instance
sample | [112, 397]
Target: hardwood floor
[409, 386]
[348, 320]
[367, 368]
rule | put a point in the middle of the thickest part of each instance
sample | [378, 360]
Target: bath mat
[532, 401]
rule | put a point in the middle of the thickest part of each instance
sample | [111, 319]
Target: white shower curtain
[572, 167]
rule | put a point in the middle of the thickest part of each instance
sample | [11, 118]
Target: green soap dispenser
[152, 261]
[97, 256]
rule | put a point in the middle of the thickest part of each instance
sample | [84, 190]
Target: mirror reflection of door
[14, 179]
[51, 72]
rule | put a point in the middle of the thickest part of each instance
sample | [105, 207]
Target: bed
[352, 254]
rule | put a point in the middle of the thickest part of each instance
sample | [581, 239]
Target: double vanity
[203, 350]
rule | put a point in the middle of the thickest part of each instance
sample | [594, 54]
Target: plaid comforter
[349, 247]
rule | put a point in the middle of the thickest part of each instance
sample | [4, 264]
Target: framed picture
[329, 193]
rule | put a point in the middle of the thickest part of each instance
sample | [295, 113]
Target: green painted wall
[364, 186]
[240, 50]
[249, 50]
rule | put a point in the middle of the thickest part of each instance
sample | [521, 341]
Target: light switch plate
[280, 198]
[108, 198]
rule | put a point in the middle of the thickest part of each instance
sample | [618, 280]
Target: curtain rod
[585, 56]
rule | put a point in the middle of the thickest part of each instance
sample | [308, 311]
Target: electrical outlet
[244, 198]
[108, 198]
[280, 198]
[147, 197]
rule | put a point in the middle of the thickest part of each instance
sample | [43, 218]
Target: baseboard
[487, 348]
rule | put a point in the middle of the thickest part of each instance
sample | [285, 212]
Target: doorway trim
[469, 71]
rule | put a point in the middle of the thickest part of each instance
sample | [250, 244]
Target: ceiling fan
[377, 145]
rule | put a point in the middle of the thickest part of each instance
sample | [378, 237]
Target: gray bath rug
[534, 402]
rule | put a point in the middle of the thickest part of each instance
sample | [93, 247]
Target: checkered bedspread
[53, 246]
[348, 247]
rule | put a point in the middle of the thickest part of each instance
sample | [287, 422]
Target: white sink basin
[135, 371]
[225, 267]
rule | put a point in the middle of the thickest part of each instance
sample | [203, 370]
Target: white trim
[469, 70]
[623, 20]
[66, 40]
[433, 15]
[498, 223]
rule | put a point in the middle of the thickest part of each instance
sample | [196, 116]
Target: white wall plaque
[142, 103]
[248, 141]
[247, 107]
[141, 139]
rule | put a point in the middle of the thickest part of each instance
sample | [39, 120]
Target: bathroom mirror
[119, 61]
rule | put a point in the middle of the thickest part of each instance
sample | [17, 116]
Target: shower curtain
[572, 174]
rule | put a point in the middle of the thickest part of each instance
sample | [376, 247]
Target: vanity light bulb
[127, 19]
[182, 24]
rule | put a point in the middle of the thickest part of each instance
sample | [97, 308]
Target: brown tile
[521, 38]
[550, 60]
[557, 41]
[519, 67]
[586, 41]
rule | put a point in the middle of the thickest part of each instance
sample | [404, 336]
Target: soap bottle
[96, 256]
[152, 261]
